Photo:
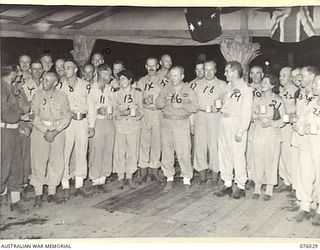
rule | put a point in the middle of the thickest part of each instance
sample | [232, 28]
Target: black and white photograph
[162, 122]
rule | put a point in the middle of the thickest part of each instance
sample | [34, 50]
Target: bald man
[165, 65]
[51, 109]
[96, 60]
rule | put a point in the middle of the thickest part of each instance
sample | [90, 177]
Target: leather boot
[83, 192]
[143, 175]
[121, 184]
[203, 179]
[38, 201]
[155, 174]
[66, 194]
[18, 207]
[132, 184]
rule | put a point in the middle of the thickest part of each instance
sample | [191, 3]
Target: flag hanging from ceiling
[292, 24]
[203, 23]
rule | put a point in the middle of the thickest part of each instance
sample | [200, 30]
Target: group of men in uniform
[58, 129]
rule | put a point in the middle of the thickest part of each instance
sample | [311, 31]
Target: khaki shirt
[79, 99]
[103, 98]
[128, 100]
[210, 91]
[288, 98]
[185, 96]
[30, 87]
[51, 110]
[150, 87]
[238, 104]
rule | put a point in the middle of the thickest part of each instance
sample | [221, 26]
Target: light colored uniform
[51, 113]
[207, 123]
[29, 87]
[150, 140]
[249, 152]
[102, 144]
[77, 132]
[125, 158]
[289, 154]
[236, 116]
[308, 184]
[266, 141]
[175, 129]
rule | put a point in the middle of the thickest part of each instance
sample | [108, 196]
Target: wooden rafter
[109, 11]
[4, 8]
[14, 18]
[37, 15]
[75, 18]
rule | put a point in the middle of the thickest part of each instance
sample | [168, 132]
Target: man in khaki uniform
[307, 127]
[118, 66]
[163, 72]
[150, 140]
[210, 92]
[81, 127]
[102, 144]
[235, 121]
[59, 67]
[47, 62]
[24, 63]
[51, 109]
[30, 86]
[256, 74]
[96, 60]
[177, 102]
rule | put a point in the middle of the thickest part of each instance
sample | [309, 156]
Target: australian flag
[203, 23]
[292, 24]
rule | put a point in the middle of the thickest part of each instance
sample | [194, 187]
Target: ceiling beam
[77, 17]
[109, 11]
[37, 15]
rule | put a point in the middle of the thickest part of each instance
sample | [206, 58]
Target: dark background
[134, 55]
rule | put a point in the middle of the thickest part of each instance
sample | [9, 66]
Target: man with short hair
[59, 67]
[289, 154]
[118, 66]
[256, 75]
[81, 127]
[12, 107]
[47, 62]
[51, 109]
[29, 87]
[88, 73]
[96, 60]
[165, 63]
[235, 121]
[24, 64]
[102, 144]
[177, 102]
[150, 139]
[307, 126]
[210, 91]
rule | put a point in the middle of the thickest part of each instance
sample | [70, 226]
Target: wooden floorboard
[149, 212]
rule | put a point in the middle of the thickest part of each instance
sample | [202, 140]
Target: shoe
[202, 185]
[224, 191]
[266, 197]
[38, 201]
[250, 184]
[292, 208]
[255, 196]
[104, 188]
[143, 175]
[168, 186]
[302, 215]
[121, 184]
[154, 172]
[54, 198]
[283, 188]
[132, 184]
[238, 193]
[4, 201]
[66, 194]
[83, 192]
[316, 220]
[18, 207]
[292, 195]
[187, 189]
